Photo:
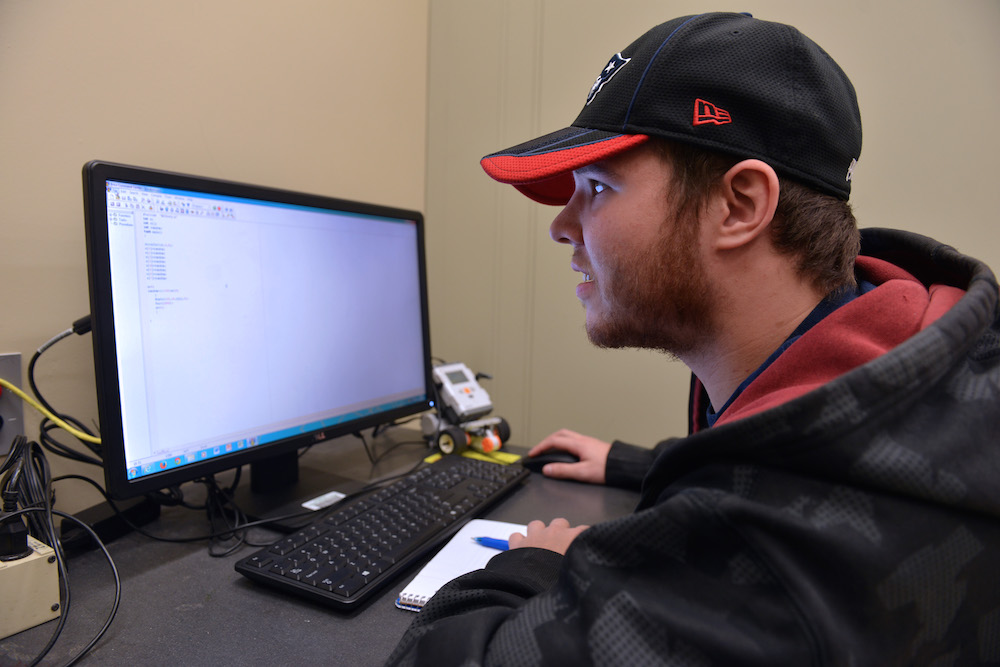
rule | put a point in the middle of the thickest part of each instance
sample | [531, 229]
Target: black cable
[170, 496]
[14, 463]
[65, 610]
[222, 510]
[118, 586]
[28, 484]
[59, 449]
[314, 515]
[396, 446]
[364, 443]
[177, 540]
[82, 325]
[227, 521]
[370, 451]
[32, 488]
[31, 372]
[79, 327]
[379, 428]
[440, 416]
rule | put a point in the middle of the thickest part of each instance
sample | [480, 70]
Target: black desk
[180, 606]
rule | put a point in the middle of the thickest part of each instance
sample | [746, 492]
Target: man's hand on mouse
[593, 455]
[556, 536]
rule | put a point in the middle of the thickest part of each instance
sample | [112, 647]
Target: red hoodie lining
[851, 336]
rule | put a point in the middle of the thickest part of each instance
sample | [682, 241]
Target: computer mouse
[535, 463]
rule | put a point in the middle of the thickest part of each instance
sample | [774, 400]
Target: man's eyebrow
[600, 168]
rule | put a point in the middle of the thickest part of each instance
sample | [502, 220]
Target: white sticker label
[324, 501]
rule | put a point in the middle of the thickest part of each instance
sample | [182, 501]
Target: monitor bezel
[95, 176]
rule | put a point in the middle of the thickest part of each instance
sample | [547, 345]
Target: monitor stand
[279, 487]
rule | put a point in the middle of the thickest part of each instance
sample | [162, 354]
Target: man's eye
[598, 188]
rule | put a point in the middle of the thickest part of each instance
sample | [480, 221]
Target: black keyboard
[345, 558]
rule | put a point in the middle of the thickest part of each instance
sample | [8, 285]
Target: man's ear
[748, 199]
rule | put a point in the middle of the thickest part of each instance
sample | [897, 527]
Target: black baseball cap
[724, 81]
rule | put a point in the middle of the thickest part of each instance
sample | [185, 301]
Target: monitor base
[278, 497]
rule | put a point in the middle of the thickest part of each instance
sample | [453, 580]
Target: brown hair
[819, 230]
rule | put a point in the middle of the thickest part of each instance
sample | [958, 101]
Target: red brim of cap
[542, 169]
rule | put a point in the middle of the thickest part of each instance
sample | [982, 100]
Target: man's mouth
[587, 278]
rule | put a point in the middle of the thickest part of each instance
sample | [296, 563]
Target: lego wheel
[503, 430]
[451, 440]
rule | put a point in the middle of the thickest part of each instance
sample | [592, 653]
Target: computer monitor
[236, 324]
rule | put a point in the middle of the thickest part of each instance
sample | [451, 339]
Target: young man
[836, 501]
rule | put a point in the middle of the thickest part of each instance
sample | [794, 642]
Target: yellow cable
[60, 423]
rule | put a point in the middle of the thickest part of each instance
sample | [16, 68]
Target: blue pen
[492, 543]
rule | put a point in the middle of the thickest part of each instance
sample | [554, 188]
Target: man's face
[647, 285]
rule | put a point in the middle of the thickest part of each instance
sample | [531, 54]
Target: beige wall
[318, 95]
[928, 80]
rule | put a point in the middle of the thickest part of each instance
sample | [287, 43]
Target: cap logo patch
[706, 113]
[615, 64]
[850, 170]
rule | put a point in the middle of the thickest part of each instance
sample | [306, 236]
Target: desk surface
[181, 606]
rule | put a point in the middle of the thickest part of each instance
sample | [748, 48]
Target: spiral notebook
[460, 555]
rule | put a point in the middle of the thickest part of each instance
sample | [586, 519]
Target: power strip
[29, 588]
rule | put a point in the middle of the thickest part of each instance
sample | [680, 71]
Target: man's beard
[660, 299]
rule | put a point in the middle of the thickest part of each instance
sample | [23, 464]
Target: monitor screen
[232, 323]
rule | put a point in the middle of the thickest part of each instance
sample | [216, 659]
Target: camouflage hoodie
[844, 510]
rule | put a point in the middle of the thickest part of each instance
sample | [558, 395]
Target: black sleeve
[641, 589]
[473, 606]
[627, 464]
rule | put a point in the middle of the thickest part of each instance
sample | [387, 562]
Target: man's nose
[565, 228]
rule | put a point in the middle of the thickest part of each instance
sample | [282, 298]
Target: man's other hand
[556, 536]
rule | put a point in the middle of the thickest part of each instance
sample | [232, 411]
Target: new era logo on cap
[707, 113]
